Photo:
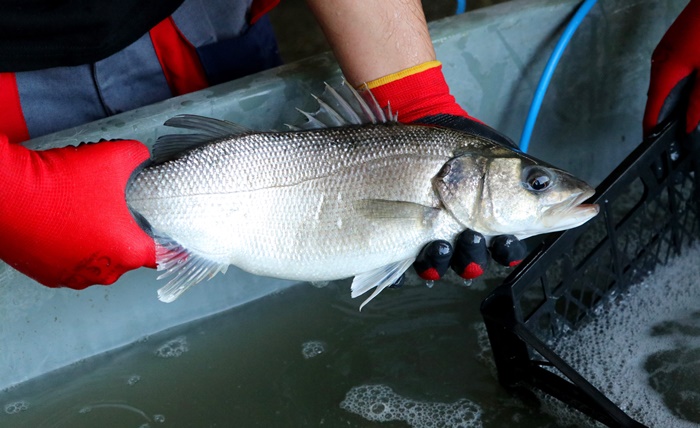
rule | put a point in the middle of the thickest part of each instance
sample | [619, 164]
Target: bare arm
[374, 38]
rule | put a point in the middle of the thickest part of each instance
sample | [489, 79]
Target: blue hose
[461, 6]
[549, 71]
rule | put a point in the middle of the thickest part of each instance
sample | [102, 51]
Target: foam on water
[133, 380]
[312, 348]
[642, 350]
[380, 403]
[173, 348]
[16, 407]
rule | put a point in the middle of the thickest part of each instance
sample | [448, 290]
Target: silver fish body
[350, 200]
[309, 205]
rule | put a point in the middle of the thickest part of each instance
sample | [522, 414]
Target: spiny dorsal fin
[345, 106]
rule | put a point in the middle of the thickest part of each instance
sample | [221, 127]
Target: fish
[351, 193]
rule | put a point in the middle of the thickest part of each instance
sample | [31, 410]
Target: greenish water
[290, 360]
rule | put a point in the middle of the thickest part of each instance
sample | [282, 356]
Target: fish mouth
[572, 212]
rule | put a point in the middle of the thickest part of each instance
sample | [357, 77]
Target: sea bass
[360, 199]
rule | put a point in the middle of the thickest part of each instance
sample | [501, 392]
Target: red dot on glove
[473, 270]
[430, 274]
[514, 263]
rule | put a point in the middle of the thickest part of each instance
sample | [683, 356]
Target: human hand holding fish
[421, 95]
[360, 199]
[387, 44]
[63, 217]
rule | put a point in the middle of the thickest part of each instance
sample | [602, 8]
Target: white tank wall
[492, 57]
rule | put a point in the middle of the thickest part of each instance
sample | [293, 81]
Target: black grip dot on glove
[508, 250]
[471, 256]
[433, 260]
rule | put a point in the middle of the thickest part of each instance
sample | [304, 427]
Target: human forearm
[374, 38]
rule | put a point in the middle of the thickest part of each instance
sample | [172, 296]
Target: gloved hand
[63, 214]
[674, 65]
[421, 95]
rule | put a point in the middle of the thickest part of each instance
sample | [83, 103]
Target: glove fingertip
[472, 270]
[430, 274]
[471, 255]
[433, 260]
[507, 250]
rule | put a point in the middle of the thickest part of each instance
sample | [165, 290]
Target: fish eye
[537, 178]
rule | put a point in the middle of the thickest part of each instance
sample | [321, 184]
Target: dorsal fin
[345, 106]
[172, 146]
[214, 128]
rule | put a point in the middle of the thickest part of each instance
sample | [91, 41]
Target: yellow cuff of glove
[401, 74]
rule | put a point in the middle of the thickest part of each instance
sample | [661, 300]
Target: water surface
[302, 357]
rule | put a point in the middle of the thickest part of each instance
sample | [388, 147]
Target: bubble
[642, 348]
[133, 380]
[312, 349]
[173, 348]
[16, 407]
[377, 408]
[320, 284]
[159, 418]
[379, 403]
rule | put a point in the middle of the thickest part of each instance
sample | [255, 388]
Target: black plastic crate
[649, 212]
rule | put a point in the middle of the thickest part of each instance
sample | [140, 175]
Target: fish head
[512, 193]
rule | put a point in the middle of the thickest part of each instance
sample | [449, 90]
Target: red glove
[421, 95]
[674, 64]
[63, 214]
[416, 93]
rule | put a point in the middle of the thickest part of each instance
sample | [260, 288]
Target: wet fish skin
[308, 205]
[326, 204]
[350, 192]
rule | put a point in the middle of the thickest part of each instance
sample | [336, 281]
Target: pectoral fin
[383, 210]
[379, 278]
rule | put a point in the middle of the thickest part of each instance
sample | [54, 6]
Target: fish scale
[280, 159]
[256, 197]
[323, 204]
